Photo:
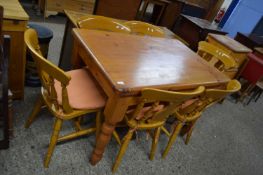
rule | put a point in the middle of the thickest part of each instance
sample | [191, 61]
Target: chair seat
[82, 91]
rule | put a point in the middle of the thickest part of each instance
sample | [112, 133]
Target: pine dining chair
[95, 22]
[151, 113]
[191, 111]
[217, 58]
[67, 95]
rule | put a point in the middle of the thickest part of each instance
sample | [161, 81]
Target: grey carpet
[226, 140]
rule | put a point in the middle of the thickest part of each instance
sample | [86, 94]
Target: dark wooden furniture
[125, 64]
[159, 7]
[249, 40]
[120, 9]
[5, 114]
[66, 51]
[193, 30]
[171, 13]
[6, 121]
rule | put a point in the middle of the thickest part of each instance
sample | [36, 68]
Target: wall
[244, 17]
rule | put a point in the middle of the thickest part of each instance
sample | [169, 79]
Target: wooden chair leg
[76, 134]
[155, 142]
[77, 124]
[35, 111]
[123, 148]
[165, 131]
[189, 133]
[172, 139]
[116, 136]
[53, 141]
[98, 124]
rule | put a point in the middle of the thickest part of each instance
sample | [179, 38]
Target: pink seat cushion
[82, 91]
[145, 110]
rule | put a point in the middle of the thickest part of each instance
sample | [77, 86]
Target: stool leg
[258, 94]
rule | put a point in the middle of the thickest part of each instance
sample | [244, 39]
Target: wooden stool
[158, 10]
[257, 91]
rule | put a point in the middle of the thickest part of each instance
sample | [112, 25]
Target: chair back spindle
[216, 57]
[143, 28]
[162, 103]
[48, 74]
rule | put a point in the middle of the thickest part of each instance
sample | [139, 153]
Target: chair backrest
[48, 73]
[215, 56]
[209, 97]
[102, 23]
[170, 101]
[143, 28]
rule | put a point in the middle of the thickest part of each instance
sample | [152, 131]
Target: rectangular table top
[230, 43]
[14, 10]
[132, 62]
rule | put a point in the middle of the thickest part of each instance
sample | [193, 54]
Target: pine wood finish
[191, 113]
[217, 58]
[48, 74]
[232, 48]
[72, 20]
[153, 117]
[14, 25]
[125, 64]
[52, 7]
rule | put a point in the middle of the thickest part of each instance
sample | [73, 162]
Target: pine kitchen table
[124, 64]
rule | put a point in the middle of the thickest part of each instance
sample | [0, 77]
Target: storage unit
[52, 7]
[233, 48]
[14, 25]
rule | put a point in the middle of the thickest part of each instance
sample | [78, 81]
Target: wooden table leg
[114, 112]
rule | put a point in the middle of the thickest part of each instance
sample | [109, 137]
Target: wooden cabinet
[233, 48]
[193, 30]
[14, 25]
[52, 7]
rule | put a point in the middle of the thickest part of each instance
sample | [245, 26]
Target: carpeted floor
[227, 140]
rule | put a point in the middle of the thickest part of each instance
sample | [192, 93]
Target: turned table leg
[114, 112]
[104, 138]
